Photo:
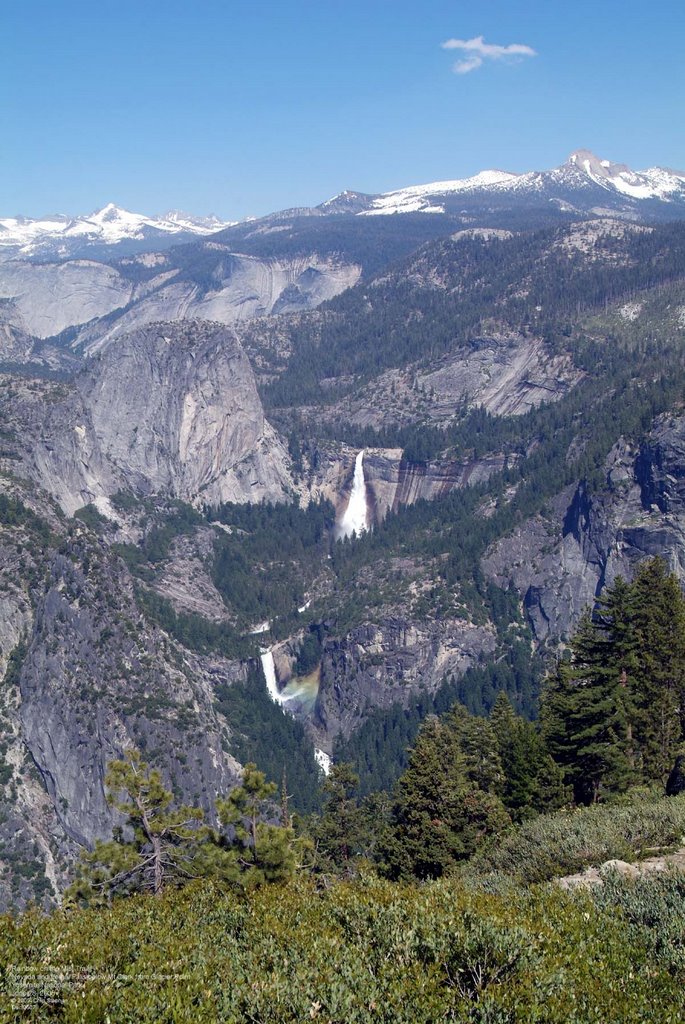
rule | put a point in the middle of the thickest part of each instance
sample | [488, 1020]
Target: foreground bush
[564, 843]
[368, 951]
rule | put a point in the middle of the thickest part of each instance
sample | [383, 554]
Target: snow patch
[108, 226]
[418, 198]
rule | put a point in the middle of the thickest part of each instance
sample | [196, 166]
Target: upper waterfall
[355, 517]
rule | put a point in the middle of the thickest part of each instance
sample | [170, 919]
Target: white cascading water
[268, 667]
[269, 670]
[355, 518]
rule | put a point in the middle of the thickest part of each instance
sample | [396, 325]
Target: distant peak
[579, 155]
[587, 161]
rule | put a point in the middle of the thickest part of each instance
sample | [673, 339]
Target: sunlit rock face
[100, 303]
[172, 409]
[175, 408]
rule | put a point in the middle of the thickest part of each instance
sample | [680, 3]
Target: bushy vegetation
[14, 512]
[357, 953]
[195, 631]
[574, 839]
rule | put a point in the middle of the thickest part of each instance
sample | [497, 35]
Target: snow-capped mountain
[59, 236]
[585, 183]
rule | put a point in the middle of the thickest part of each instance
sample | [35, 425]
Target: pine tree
[583, 720]
[338, 832]
[659, 628]
[158, 845]
[266, 852]
[615, 715]
[441, 814]
[532, 780]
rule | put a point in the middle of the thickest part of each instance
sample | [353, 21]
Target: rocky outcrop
[394, 481]
[390, 662]
[173, 408]
[668, 862]
[95, 680]
[561, 560]
[505, 373]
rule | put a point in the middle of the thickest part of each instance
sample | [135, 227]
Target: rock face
[559, 562]
[173, 408]
[391, 481]
[390, 662]
[102, 302]
[93, 683]
[507, 374]
[44, 299]
[85, 676]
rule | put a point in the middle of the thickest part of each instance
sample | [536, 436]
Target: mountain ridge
[583, 179]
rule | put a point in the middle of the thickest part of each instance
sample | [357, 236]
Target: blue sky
[239, 108]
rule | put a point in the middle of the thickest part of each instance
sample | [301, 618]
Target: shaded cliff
[560, 560]
[85, 677]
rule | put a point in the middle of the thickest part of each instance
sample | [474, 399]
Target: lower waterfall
[282, 697]
[269, 669]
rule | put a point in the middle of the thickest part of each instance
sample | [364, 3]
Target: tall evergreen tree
[532, 780]
[337, 833]
[583, 720]
[265, 852]
[614, 714]
[659, 699]
[441, 813]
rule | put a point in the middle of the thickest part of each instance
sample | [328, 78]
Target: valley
[280, 491]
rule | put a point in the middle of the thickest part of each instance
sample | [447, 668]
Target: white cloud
[477, 51]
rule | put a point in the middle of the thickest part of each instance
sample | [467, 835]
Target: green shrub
[368, 952]
[569, 841]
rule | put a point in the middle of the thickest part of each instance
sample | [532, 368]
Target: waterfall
[282, 697]
[355, 518]
[269, 669]
[292, 691]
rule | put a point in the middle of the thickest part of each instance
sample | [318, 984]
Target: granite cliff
[560, 560]
[173, 408]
